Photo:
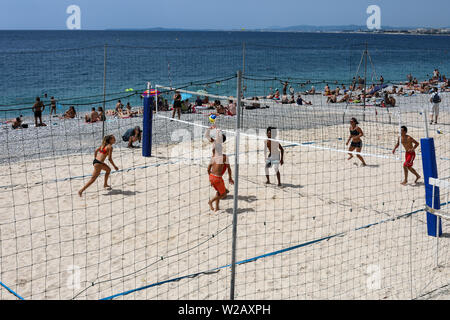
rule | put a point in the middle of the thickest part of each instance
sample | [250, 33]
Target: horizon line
[270, 28]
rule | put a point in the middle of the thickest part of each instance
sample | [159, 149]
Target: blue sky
[218, 14]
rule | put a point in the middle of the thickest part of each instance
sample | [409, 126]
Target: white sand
[156, 225]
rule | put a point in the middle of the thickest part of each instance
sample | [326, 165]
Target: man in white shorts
[275, 158]
[435, 101]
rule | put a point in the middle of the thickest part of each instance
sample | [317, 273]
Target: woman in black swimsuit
[100, 156]
[177, 105]
[355, 136]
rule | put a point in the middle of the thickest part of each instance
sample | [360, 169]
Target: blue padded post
[430, 171]
[147, 126]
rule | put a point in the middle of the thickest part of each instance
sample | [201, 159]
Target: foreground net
[333, 230]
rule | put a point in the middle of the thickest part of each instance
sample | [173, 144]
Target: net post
[425, 122]
[105, 57]
[147, 126]
[434, 227]
[236, 184]
[156, 98]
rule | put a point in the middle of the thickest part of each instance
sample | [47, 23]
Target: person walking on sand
[274, 155]
[410, 146]
[355, 136]
[435, 100]
[100, 155]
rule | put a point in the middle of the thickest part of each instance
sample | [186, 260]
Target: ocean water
[74, 66]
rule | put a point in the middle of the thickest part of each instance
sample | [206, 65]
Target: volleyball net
[334, 229]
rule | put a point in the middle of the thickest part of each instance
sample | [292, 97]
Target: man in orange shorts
[216, 169]
[410, 146]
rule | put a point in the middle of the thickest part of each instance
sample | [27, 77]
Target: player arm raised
[208, 135]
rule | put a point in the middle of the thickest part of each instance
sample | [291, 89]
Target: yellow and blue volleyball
[440, 131]
[212, 118]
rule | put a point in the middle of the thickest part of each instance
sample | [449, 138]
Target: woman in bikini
[100, 155]
[355, 136]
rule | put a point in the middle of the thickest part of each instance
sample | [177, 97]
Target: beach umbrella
[185, 96]
[153, 92]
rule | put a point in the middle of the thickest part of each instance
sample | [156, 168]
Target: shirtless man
[410, 146]
[119, 105]
[92, 117]
[285, 84]
[275, 155]
[38, 107]
[216, 169]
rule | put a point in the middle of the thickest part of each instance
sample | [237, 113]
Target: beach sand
[367, 240]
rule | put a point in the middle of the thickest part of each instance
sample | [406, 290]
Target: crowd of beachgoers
[381, 94]
[377, 94]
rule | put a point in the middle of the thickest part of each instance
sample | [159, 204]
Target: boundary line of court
[11, 291]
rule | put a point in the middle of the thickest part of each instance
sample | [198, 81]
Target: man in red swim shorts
[216, 169]
[410, 146]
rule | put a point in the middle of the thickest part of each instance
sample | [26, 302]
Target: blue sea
[71, 65]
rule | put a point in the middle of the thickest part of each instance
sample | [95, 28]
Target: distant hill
[341, 28]
[299, 28]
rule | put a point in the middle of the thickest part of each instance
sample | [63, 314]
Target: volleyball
[439, 131]
[212, 118]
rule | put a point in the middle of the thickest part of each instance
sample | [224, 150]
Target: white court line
[439, 183]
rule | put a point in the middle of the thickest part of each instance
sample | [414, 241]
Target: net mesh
[333, 230]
